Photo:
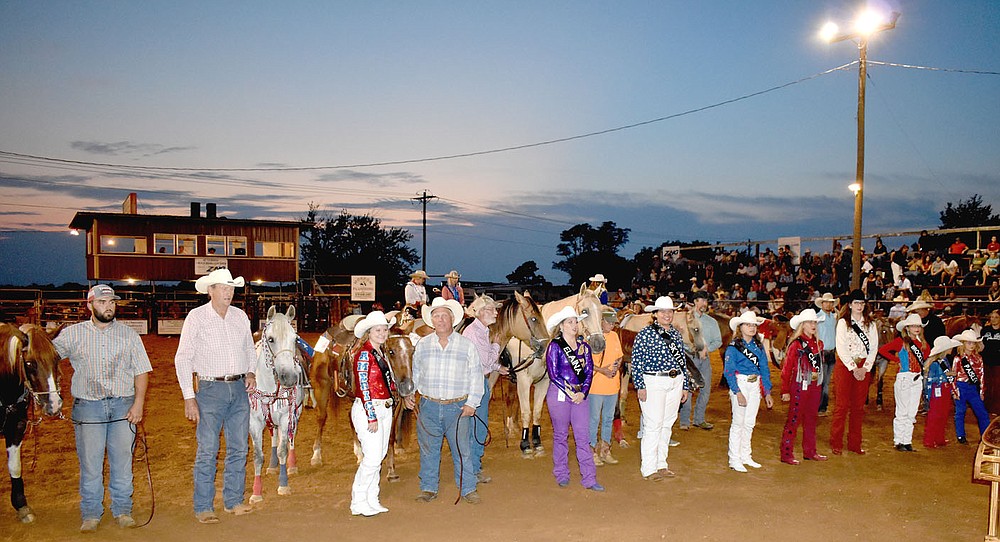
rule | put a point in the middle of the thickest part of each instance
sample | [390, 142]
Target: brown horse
[957, 324]
[29, 372]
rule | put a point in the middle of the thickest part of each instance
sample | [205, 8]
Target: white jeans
[659, 412]
[744, 420]
[374, 446]
[907, 393]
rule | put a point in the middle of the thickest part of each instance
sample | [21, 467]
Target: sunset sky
[265, 107]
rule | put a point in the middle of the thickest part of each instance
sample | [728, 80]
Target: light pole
[867, 24]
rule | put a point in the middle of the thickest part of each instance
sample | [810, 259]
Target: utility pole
[423, 200]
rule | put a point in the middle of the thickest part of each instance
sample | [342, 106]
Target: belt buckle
[673, 372]
[752, 378]
[388, 402]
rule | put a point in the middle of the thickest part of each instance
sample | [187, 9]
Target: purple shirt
[562, 370]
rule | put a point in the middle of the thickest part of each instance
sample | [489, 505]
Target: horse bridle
[269, 361]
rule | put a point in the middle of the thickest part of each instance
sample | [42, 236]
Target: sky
[267, 107]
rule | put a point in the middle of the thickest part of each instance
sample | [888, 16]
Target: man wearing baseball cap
[110, 376]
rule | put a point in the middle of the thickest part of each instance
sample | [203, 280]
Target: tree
[356, 245]
[586, 250]
[526, 273]
[970, 213]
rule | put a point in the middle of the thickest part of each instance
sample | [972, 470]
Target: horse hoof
[392, 477]
[284, 490]
[254, 499]
[293, 470]
[26, 514]
[540, 452]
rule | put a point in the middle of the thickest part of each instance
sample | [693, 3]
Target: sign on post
[362, 287]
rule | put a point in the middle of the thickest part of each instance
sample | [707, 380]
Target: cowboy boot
[597, 457]
[536, 437]
[525, 443]
[606, 454]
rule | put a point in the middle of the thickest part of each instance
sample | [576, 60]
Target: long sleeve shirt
[937, 378]
[975, 362]
[415, 294]
[826, 329]
[736, 363]
[799, 368]
[652, 353]
[851, 349]
[562, 369]
[489, 353]
[894, 351]
[370, 383]
[213, 346]
[448, 372]
[105, 361]
[709, 332]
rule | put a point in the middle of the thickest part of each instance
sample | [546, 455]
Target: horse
[954, 325]
[328, 376]
[29, 371]
[276, 401]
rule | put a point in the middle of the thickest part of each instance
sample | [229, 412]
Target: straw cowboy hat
[968, 335]
[807, 315]
[374, 318]
[598, 278]
[457, 313]
[919, 304]
[748, 317]
[453, 274]
[418, 274]
[553, 322]
[480, 303]
[219, 276]
[826, 297]
[943, 344]
[910, 320]
[663, 303]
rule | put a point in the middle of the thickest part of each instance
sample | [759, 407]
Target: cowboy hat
[418, 274]
[374, 318]
[968, 335]
[919, 304]
[663, 303]
[910, 320]
[598, 278]
[807, 315]
[826, 297]
[457, 313]
[856, 295]
[481, 302]
[219, 276]
[943, 344]
[553, 322]
[748, 317]
[453, 274]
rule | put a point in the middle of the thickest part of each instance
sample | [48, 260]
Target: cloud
[377, 179]
[124, 148]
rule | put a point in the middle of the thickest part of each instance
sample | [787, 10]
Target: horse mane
[10, 339]
[40, 347]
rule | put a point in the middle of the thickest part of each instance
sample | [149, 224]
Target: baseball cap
[101, 291]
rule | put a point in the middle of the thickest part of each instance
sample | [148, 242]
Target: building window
[116, 244]
[237, 246]
[164, 243]
[273, 249]
[187, 245]
[215, 245]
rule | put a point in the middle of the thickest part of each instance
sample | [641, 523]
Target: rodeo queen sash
[861, 335]
[574, 359]
[970, 373]
[676, 354]
[741, 346]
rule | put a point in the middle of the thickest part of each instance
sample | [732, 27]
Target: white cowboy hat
[374, 318]
[910, 320]
[457, 312]
[598, 278]
[943, 344]
[968, 335]
[826, 297]
[480, 303]
[219, 276]
[453, 274]
[748, 317]
[807, 315]
[418, 274]
[553, 322]
[663, 303]
[919, 304]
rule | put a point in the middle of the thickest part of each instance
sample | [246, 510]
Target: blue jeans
[969, 397]
[701, 403]
[478, 434]
[435, 423]
[95, 434]
[602, 413]
[222, 406]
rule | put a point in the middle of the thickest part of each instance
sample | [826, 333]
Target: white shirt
[213, 346]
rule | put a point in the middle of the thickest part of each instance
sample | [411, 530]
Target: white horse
[276, 402]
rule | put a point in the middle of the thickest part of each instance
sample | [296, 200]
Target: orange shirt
[601, 384]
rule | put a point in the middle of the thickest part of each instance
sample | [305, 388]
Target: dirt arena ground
[884, 495]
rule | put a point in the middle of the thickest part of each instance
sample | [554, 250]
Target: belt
[671, 373]
[378, 402]
[447, 401]
[814, 377]
[752, 378]
[227, 378]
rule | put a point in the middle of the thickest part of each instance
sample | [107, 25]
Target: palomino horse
[276, 402]
[29, 370]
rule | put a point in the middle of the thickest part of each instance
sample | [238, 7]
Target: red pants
[803, 409]
[849, 402]
[938, 413]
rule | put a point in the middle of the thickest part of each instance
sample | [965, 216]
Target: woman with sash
[570, 367]
[968, 370]
[938, 391]
[452, 289]
[910, 350]
[857, 347]
[802, 386]
[749, 379]
[371, 413]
